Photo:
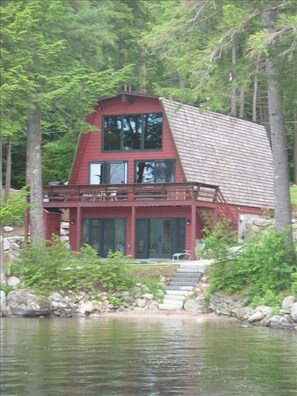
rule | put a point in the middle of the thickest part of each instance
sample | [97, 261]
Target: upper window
[108, 172]
[156, 171]
[132, 132]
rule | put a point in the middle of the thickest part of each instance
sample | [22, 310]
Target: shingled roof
[223, 150]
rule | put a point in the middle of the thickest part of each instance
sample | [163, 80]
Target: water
[146, 357]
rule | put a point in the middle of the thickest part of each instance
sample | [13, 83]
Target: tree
[233, 63]
[283, 211]
[57, 52]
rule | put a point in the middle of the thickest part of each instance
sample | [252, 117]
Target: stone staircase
[182, 283]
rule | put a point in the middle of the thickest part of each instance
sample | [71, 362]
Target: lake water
[145, 356]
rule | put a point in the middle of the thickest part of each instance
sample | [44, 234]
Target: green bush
[56, 267]
[217, 242]
[263, 271]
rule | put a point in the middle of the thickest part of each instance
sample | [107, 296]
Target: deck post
[193, 229]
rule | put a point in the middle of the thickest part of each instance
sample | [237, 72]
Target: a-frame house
[156, 173]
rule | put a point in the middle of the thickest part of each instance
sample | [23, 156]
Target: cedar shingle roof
[219, 149]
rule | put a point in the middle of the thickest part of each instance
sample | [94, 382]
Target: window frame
[102, 171]
[173, 163]
[143, 136]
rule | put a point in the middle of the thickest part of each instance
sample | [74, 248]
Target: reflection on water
[153, 357]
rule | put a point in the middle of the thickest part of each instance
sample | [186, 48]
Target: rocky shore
[25, 303]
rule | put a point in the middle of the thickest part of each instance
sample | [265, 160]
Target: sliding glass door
[160, 237]
[105, 235]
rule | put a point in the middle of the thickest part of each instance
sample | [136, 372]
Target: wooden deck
[159, 194]
[132, 192]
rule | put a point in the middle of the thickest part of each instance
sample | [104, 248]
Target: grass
[151, 272]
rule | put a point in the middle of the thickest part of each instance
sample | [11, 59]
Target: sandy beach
[158, 314]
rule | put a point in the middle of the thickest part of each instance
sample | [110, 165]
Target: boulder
[8, 229]
[2, 298]
[13, 281]
[294, 312]
[27, 304]
[256, 316]
[287, 304]
[192, 305]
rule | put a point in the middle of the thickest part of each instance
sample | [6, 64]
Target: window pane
[120, 235]
[155, 171]
[164, 171]
[117, 173]
[145, 172]
[95, 173]
[112, 126]
[132, 130]
[153, 131]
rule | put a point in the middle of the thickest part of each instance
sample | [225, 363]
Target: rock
[265, 309]
[13, 281]
[6, 245]
[256, 316]
[86, 307]
[294, 312]
[192, 305]
[274, 321]
[148, 296]
[56, 296]
[140, 303]
[27, 304]
[244, 312]
[8, 229]
[286, 322]
[2, 298]
[287, 304]
[153, 305]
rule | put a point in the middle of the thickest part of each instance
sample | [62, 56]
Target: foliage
[58, 268]
[294, 284]
[263, 271]
[217, 242]
[14, 209]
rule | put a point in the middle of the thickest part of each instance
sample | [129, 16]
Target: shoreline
[183, 315]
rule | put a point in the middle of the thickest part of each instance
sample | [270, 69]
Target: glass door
[105, 235]
[160, 238]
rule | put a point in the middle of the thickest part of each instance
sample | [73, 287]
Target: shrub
[217, 243]
[56, 267]
[263, 271]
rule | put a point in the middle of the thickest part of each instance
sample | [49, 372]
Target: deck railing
[140, 192]
[131, 192]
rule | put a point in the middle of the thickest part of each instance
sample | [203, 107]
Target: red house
[156, 173]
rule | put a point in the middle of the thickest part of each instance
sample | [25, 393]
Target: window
[156, 171]
[132, 132]
[108, 172]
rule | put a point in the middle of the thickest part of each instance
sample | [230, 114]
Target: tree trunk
[283, 211]
[34, 179]
[255, 91]
[233, 77]
[142, 87]
[8, 170]
[1, 225]
[295, 150]
[241, 102]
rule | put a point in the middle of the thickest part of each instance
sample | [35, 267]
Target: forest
[58, 57]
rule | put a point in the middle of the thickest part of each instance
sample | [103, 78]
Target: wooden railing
[140, 192]
[131, 192]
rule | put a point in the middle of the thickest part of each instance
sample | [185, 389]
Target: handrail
[189, 191]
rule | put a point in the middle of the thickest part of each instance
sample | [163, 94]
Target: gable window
[108, 172]
[132, 132]
[155, 171]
